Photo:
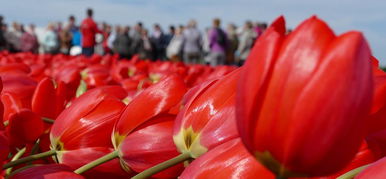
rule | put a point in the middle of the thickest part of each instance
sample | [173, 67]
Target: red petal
[84, 105]
[77, 158]
[255, 76]
[44, 99]
[12, 104]
[92, 129]
[52, 171]
[229, 160]
[150, 146]
[374, 171]
[20, 130]
[152, 101]
[207, 103]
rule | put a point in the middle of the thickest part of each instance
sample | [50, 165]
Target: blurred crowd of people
[217, 45]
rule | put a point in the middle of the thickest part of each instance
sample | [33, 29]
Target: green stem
[29, 159]
[353, 173]
[97, 162]
[48, 120]
[162, 166]
[34, 149]
[15, 157]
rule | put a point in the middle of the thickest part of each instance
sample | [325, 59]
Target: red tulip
[70, 75]
[12, 104]
[61, 95]
[149, 146]
[83, 130]
[228, 160]
[20, 85]
[15, 68]
[89, 120]
[155, 100]
[374, 171]
[79, 157]
[143, 134]
[52, 171]
[19, 129]
[96, 75]
[20, 119]
[44, 99]
[208, 117]
[295, 101]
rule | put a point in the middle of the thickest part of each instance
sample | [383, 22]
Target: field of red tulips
[309, 104]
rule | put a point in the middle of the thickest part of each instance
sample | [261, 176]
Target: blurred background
[343, 15]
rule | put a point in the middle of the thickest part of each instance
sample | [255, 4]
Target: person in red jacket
[88, 29]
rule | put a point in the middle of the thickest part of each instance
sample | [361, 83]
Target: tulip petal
[229, 160]
[152, 101]
[207, 115]
[340, 112]
[297, 61]
[52, 171]
[44, 99]
[20, 130]
[257, 69]
[374, 171]
[150, 146]
[79, 157]
[92, 129]
[84, 105]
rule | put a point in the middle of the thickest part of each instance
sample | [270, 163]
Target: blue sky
[368, 16]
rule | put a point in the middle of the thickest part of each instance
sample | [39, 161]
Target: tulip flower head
[208, 117]
[303, 98]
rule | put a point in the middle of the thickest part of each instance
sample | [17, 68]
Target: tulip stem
[48, 120]
[29, 159]
[97, 162]
[162, 166]
[15, 157]
[34, 149]
[352, 173]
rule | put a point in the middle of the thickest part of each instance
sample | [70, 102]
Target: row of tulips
[309, 104]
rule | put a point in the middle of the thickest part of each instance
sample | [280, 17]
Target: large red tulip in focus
[303, 98]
